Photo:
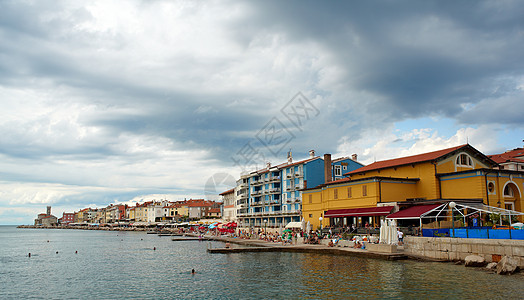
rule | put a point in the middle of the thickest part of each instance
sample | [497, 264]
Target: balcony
[274, 178]
[242, 196]
[257, 203]
[257, 182]
[274, 191]
[289, 176]
[299, 175]
[259, 192]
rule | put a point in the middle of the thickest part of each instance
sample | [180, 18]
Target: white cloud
[388, 143]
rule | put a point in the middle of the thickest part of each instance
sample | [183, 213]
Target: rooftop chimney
[327, 168]
[49, 210]
[311, 153]
[268, 165]
[289, 157]
[354, 157]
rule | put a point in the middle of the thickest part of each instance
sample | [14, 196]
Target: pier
[263, 246]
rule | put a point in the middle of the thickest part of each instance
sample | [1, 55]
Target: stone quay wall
[456, 249]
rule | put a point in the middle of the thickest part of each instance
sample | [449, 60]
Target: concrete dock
[189, 239]
[263, 246]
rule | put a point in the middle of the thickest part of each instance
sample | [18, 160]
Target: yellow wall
[456, 186]
[323, 198]
[427, 187]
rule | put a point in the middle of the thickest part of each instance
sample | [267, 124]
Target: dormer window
[464, 160]
[338, 170]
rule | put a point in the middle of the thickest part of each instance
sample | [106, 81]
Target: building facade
[229, 208]
[272, 197]
[459, 174]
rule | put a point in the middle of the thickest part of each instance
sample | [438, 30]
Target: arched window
[464, 160]
[508, 191]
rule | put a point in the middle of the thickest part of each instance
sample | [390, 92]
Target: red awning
[359, 212]
[413, 212]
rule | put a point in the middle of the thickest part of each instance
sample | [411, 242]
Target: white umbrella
[308, 227]
[394, 235]
[303, 227]
[388, 232]
[382, 230]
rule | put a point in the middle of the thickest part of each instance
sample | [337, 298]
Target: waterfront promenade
[256, 245]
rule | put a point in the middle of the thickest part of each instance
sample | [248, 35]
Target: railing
[475, 233]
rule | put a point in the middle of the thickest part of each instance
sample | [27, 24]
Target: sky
[107, 102]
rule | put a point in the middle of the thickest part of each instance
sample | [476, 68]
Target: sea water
[86, 264]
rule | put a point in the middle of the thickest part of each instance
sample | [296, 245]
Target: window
[491, 187]
[311, 215]
[464, 160]
[349, 192]
[364, 190]
[344, 168]
[338, 170]
[508, 191]
[310, 198]
[335, 193]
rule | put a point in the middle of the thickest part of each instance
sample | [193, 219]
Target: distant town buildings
[46, 219]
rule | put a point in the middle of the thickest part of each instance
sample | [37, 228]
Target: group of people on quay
[293, 236]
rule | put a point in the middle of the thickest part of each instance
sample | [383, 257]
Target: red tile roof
[227, 192]
[199, 203]
[515, 155]
[406, 160]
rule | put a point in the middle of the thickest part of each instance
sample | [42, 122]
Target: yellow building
[176, 211]
[131, 216]
[460, 174]
[141, 211]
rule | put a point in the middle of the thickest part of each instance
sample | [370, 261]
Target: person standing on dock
[400, 237]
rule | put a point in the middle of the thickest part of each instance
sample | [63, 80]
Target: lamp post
[320, 220]
[452, 206]
[265, 222]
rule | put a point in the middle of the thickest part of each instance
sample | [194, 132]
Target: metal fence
[475, 233]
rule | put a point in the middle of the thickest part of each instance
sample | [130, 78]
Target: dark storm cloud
[412, 78]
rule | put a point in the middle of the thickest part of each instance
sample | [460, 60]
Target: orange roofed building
[461, 174]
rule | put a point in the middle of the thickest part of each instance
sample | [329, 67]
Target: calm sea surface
[123, 265]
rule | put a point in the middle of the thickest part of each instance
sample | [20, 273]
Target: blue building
[272, 197]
